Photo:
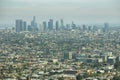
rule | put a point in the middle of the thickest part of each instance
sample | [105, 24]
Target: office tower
[73, 25]
[34, 25]
[50, 24]
[62, 24]
[84, 28]
[57, 25]
[20, 25]
[106, 27]
[44, 26]
[25, 26]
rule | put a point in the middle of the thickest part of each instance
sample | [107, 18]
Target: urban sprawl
[59, 52]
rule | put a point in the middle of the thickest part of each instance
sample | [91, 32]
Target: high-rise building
[50, 24]
[20, 25]
[44, 25]
[106, 27]
[62, 24]
[73, 25]
[34, 24]
[57, 25]
[25, 26]
[84, 27]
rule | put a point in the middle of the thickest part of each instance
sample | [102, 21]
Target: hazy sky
[80, 11]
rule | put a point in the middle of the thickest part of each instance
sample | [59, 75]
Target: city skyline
[51, 25]
[94, 11]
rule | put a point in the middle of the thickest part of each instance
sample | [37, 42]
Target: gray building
[20, 25]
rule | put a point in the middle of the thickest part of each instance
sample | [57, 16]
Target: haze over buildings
[80, 11]
[59, 40]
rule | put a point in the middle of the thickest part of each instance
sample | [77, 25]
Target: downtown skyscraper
[20, 25]
[34, 25]
[44, 26]
[50, 24]
[57, 25]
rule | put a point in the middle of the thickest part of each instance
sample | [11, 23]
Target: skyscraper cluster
[46, 26]
[53, 25]
[22, 25]
[33, 27]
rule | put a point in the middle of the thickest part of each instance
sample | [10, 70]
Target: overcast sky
[80, 11]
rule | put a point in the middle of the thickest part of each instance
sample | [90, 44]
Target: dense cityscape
[59, 51]
[45, 26]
